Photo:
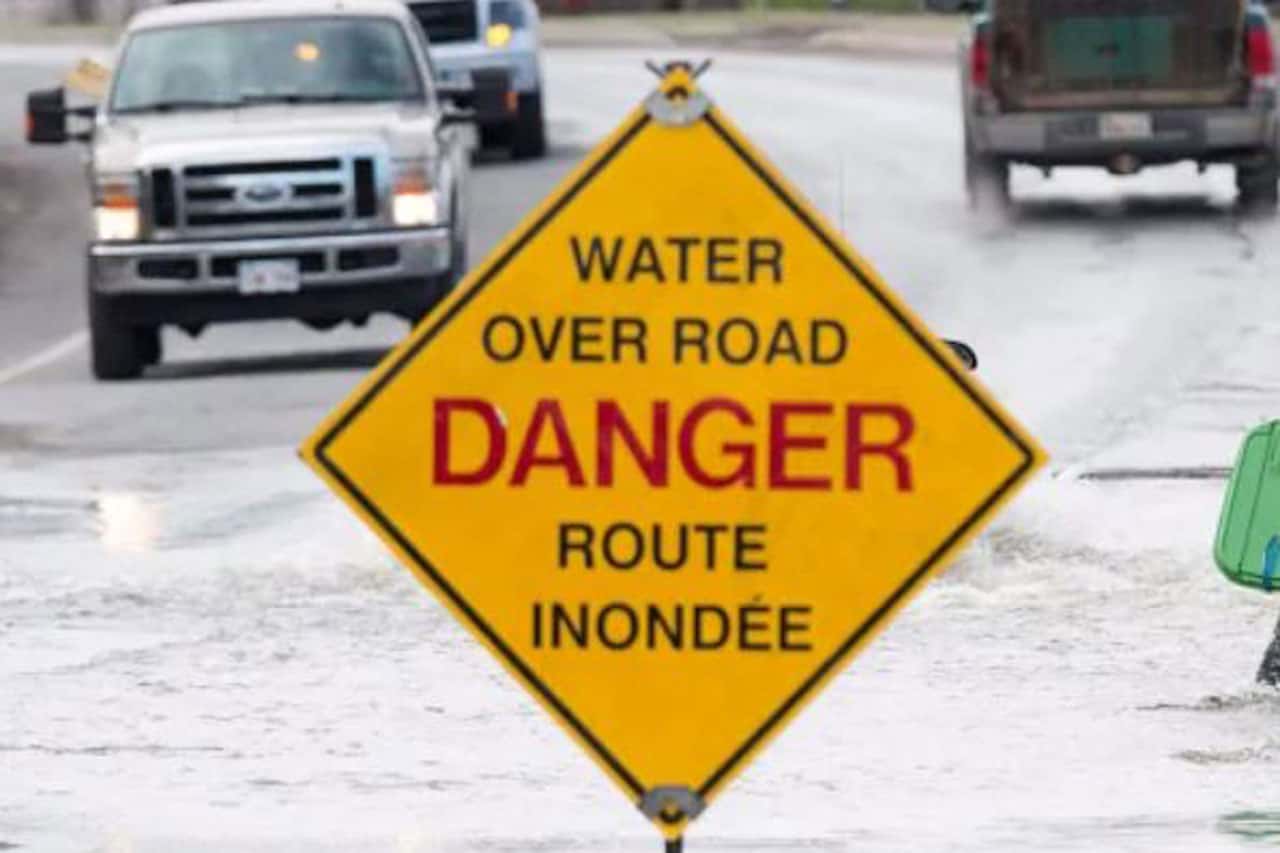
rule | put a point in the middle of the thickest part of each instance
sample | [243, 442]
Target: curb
[846, 42]
[830, 44]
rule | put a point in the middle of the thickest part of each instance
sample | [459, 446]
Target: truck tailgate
[1055, 54]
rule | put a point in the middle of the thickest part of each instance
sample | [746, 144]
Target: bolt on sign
[673, 453]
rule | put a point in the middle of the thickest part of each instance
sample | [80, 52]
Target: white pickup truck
[250, 160]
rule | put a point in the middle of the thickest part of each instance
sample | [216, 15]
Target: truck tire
[494, 136]
[986, 180]
[116, 351]
[149, 345]
[1258, 184]
[529, 137]
[458, 258]
[457, 271]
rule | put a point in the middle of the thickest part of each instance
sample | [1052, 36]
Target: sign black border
[530, 677]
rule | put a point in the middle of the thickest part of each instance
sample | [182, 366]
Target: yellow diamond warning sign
[674, 453]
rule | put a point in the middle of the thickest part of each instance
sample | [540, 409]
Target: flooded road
[203, 651]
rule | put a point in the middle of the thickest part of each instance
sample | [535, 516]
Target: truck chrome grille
[164, 210]
[213, 169]
[318, 214]
[276, 196]
[313, 190]
[447, 20]
[366, 188]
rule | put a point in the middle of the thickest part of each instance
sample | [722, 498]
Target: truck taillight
[980, 62]
[1260, 57]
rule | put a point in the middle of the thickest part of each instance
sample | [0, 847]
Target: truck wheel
[986, 180]
[529, 139]
[149, 345]
[494, 136]
[988, 184]
[458, 259]
[1259, 185]
[116, 351]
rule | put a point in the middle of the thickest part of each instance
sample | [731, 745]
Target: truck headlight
[497, 35]
[414, 202]
[115, 211]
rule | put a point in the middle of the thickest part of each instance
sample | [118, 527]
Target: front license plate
[270, 276]
[1125, 126]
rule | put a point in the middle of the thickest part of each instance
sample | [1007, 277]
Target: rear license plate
[270, 276]
[1124, 126]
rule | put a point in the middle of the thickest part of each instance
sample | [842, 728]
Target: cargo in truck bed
[1063, 53]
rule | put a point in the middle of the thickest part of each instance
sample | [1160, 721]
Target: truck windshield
[286, 60]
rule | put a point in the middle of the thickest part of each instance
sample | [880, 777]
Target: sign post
[674, 445]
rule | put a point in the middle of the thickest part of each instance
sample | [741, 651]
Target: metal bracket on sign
[671, 803]
[678, 104]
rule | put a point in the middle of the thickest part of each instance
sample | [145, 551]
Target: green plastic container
[1136, 49]
[1247, 547]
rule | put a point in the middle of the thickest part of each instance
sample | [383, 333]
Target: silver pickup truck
[252, 160]
[493, 45]
[1122, 85]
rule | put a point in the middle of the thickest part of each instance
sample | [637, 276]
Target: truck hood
[126, 143]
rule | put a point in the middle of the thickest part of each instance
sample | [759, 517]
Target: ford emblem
[264, 193]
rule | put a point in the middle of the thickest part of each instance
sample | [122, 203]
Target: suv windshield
[293, 60]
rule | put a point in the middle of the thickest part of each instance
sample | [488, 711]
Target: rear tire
[458, 257]
[149, 346]
[116, 350]
[1259, 186]
[457, 270]
[529, 137]
[986, 181]
[494, 136]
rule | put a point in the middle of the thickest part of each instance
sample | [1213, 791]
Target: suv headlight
[497, 35]
[505, 18]
[115, 209]
[414, 202]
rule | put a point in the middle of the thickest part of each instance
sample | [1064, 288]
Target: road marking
[46, 356]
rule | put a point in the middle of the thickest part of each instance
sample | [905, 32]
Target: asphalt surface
[200, 645]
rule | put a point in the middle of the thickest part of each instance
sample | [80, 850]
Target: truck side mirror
[489, 93]
[47, 113]
[455, 105]
[47, 117]
[968, 357]
[451, 115]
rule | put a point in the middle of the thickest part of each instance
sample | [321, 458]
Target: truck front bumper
[501, 78]
[1075, 137]
[342, 276]
[459, 63]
